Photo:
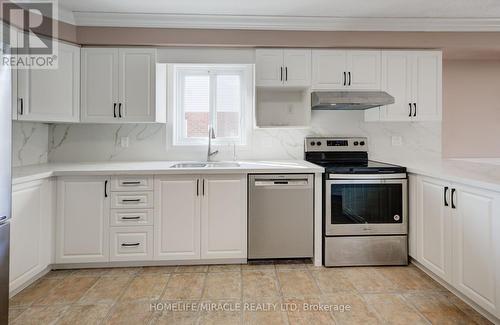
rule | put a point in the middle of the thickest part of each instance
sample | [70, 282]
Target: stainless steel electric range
[365, 206]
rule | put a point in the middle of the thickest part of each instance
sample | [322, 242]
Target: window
[211, 95]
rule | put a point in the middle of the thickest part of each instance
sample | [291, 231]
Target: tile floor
[240, 294]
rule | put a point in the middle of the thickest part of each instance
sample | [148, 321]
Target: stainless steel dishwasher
[280, 216]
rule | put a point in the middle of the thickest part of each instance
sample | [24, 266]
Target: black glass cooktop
[366, 167]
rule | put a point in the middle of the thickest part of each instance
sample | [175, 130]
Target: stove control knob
[397, 217]
[313, 143]
[356, 143]
[318, 143]
[362, 143]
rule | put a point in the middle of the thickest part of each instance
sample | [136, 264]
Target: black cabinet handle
[198, 187]
[281, 73]
[106, 188]
[131, 218]
[120, 110]
[114, 110]
[445, 193]
[349, 74]
[131, 183]
[345, 79]
[286, 73]
[409, 115]
[131, 200]
[415, 111]
[453, 205]
[203, 187]
[22, 106]
[130, 245]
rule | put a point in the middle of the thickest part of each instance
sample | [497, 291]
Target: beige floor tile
[84, 315]
[225, 268]
[223, 285]
[368, 280]
[177, 317]
[259, 266]
[34, 292]
[68, 291]
[260, 284]
[123, 271]
[106, 290]
[149, 286]
[291, 266]
[438, 309]
[185, 286]
[408, 279]
[297, 283]
[158, 269]
[225, 312]
[350, 308]
[91, 272]
[264, 311]
[59, 273]
[191, 268]
[304, 313]
[130, 313]
[393, 309]
[15, 312]
[468, 310]
[40, 315]
[332, 280]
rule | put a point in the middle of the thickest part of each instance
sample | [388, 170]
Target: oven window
[366, 203]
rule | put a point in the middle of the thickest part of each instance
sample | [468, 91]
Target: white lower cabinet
[458, 238]
[200, 217]
[131, 243]
[30, 232]
[82, 222]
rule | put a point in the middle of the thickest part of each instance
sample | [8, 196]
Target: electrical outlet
[397, 140]
[124, 142]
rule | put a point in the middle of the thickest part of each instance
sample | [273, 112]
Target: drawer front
[131, 200]
[132, 183]
[131, 243]
[131, 217]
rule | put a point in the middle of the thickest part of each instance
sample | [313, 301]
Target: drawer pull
[131, 183]
[131, 218]
[130, 245]
[131, 200]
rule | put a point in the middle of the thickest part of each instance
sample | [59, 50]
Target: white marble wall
[30, 142]
[85, 143]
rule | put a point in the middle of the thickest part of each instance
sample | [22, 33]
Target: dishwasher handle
[282, 182]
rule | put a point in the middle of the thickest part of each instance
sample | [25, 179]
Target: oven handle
[368, 176]
[367, 181]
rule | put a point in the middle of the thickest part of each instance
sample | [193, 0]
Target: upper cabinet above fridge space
[283, 68]
[121, 85]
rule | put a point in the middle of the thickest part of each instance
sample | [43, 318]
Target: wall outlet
[124, 142]
[397, 140]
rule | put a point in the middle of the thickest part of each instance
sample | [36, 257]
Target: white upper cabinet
[346, 70]
[283, 68]
[51, 95]
[119, 86]
[414, 79]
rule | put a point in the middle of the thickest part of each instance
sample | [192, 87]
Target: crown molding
[286, 23]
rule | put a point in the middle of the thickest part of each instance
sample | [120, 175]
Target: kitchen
[320, 165]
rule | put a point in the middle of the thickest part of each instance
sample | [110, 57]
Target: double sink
[219, 164]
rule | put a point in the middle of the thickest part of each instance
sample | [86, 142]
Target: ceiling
[306, 14]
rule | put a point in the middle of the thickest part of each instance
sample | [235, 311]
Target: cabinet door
[297, 68]
[397, 81]
[52, 95]
[363, 69]
[177, 217]
[434, 227]
[427, 86]
[476, 246]
[26, 236]
[329, 68]
[99, 84]
[224, 217]
[83, 208]
[269, 67]
[137, 85]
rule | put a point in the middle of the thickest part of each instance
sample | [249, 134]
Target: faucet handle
[211, 132]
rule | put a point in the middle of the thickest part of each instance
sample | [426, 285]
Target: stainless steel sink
[217, 164]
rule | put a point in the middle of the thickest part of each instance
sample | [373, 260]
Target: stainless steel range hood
[349, 100]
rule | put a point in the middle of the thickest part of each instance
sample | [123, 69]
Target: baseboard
[63, 266]
[457, 293]
[40, 274]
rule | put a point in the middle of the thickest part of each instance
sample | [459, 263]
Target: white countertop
[35, 172]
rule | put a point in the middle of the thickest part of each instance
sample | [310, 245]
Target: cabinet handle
[453, 205]
[131, 218]
[22, 106]
[120, 110]
[445, 194]
[131, 200]
[281, 73]
[203, 187]
[349, 74]
[131, 183]
[198, 187]
[114, 110]
[409, 114]
[415, 111]
[130, 245]
[286, 73]
[106, 188]
[345, 79]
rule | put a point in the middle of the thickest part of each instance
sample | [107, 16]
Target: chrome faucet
[211, 135]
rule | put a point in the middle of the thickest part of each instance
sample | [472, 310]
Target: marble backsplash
[86, 143]
[30, 143]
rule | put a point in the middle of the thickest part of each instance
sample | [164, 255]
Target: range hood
[349, 100]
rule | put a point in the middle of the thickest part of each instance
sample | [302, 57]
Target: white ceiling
[323, 8]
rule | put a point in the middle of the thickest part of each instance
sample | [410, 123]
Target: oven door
[356, 207]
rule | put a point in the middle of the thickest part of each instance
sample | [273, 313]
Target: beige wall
[471, 116]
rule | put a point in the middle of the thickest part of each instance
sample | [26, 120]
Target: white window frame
[178, 71]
